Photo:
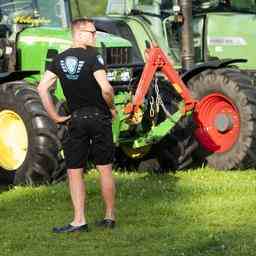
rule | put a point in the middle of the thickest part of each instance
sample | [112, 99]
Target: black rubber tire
[238, 88]
[6, 178]
[43, 158]
[173, 152]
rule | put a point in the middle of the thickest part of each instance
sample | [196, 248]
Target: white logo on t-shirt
[71, 66]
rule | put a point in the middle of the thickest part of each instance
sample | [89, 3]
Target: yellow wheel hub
[13, 140]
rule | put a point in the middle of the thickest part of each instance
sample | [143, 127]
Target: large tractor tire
[225, 118]
[173, 152]
[29, 145]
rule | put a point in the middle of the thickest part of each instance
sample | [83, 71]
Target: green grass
[191, 213]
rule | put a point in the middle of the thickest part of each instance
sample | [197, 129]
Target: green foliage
[202, 213]
[88, 8]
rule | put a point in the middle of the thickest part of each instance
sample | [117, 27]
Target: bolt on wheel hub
[223, 123]
[218, 123]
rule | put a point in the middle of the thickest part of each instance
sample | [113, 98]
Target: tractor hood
[45, 43]
[36, 47]
[62, 38]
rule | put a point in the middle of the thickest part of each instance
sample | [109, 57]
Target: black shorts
[89, 134]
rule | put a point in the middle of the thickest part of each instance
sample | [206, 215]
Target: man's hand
[61, 119]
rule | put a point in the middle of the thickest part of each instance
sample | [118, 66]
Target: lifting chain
[158, 97]
[159, 101]
[152, 110]
[155, 102]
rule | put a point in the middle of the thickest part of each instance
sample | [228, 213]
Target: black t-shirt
[75, 67]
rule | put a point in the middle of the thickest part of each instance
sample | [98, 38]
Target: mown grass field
[190, 213]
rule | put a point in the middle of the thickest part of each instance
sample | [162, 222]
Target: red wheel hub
[218, 123]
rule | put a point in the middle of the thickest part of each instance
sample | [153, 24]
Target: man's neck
[78, 45]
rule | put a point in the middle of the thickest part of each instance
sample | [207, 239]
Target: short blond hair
[78, 22]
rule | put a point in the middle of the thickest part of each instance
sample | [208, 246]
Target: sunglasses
[93, 32]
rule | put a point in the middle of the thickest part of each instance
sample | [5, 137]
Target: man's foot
[69, 228]
[106, 223]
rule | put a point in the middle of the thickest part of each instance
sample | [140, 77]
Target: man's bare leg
[108, 189]
[77, 192]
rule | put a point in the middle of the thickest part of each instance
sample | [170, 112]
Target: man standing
[90, 100]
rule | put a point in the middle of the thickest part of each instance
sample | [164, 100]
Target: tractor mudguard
[216, 64]
[16, 75]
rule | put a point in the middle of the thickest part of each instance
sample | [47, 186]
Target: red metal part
[208, 135]
[157, 60]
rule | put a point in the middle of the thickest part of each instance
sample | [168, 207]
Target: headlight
[119, 75]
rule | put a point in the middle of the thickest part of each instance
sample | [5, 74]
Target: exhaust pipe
[187, 42]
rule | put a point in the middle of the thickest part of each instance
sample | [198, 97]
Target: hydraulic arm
[157, 61]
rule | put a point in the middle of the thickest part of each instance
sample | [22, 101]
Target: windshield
[50, 13]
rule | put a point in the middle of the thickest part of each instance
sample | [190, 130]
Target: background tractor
[206, 40]
[32, 32]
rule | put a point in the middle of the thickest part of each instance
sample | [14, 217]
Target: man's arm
[106, 89]
[47, 81]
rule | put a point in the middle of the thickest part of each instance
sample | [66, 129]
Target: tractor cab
[138, 21]
[16, 16]
[54, 13]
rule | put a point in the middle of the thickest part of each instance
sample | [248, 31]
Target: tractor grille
[120, 55]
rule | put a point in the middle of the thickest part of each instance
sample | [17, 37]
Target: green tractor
[221, 132]
[32, 32]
